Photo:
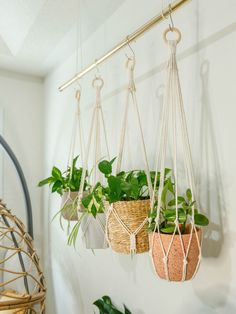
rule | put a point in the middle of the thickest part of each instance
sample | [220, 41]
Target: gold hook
[97, 69]
[169, 14]
[131, 49]
[171, 26]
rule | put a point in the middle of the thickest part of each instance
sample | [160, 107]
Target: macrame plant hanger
[69, 209]
[97, 129]
[130, 94]
[165, 263]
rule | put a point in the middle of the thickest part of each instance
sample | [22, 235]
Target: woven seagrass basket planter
[176, 256]
[132, 214]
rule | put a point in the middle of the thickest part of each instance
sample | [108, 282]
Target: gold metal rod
[155, 20]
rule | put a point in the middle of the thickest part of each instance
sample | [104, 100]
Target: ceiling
[36, 35]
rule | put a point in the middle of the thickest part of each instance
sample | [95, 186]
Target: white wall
[207, 66]
[21, 104]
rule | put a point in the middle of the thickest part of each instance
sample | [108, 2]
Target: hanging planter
[128, 193]
[175, 220]
[128, 205]
[71, 206]
[68, 205]
[128, 233]
[67, 184]
[94, 231]
[175, 266]
[92, 218]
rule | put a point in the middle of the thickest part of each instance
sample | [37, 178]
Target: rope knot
[176, 221]
[131, 86]
[132, 243]
[185, 262]
[165, 259]
[157, 220]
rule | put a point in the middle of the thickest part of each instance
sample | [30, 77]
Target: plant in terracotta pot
[127, 196]
[67, 184]
[106, 306]
[176, 240]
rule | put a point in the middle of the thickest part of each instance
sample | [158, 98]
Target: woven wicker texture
[175, 257]
[132, 213]
[22, 285]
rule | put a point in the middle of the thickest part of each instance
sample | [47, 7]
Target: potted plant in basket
[127, 197]
[66, 184]
[179, 232]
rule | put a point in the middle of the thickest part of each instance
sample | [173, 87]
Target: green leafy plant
[126, 186]
[69, 180]
[168, 216]
[106, 306]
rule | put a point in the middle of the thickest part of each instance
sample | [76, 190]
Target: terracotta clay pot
[175, 259]
[132, 213]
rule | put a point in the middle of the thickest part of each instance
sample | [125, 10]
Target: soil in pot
[133, 214]
[176, 256]
[94, 231]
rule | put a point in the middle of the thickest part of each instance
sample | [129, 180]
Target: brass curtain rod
[155, 20]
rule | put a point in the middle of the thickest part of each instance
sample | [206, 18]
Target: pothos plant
[68, 180]
[126, 186]
[186, 209]
[106, 306]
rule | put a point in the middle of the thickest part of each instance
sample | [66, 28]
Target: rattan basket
[22, 285]
[132, 213]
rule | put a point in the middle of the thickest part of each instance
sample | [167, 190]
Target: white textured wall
[207, 70]
[21, 104]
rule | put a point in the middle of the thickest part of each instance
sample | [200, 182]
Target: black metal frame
[23, 184]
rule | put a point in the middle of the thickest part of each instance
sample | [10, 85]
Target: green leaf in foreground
[201, 220]
[45, 181]
[105, 167]
[56, 173]
[169, 228]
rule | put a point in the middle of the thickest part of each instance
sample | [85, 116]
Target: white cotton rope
[95, 133]
[172, 109]
[131, 93]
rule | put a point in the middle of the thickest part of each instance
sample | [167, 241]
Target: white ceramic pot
[69, 205]
[94, 231]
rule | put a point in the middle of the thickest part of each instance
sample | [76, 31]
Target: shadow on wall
[213, 289]
[209, 165]
[71, 284]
